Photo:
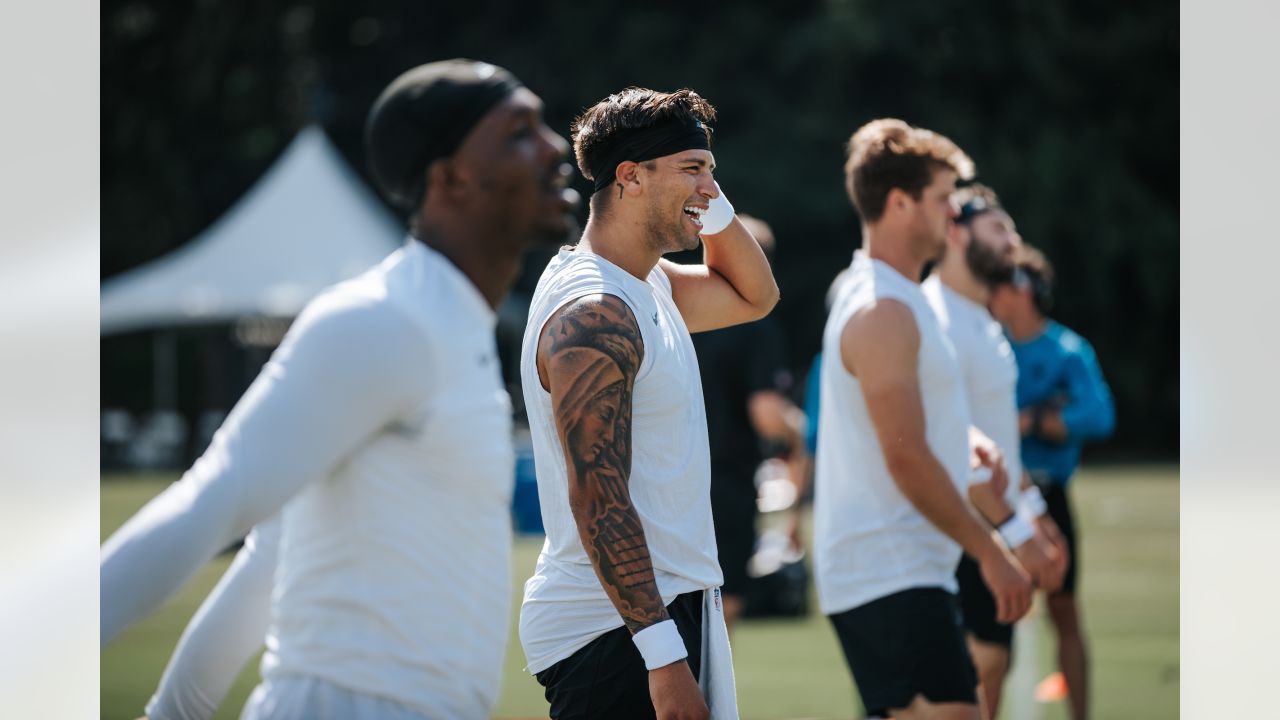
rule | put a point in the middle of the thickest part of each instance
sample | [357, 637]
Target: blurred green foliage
[1068, 108]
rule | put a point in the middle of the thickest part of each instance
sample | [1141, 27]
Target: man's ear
[898, 200]
[444, 178]
[628, 175]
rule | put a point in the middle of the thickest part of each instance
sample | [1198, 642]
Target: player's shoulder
[599, 321]
[350, 316]
[1069, 341]
[406, 295]
[597, 309]
[573, 274]
[881, 320]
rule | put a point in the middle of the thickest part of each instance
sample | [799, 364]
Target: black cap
[424, 115]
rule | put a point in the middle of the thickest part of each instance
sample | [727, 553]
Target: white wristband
[1032, 502]
[1016, 530]
[718, 215]
[660, 645]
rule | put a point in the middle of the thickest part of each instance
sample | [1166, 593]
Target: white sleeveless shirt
[990, 373]
[565, 607]
[870, 541]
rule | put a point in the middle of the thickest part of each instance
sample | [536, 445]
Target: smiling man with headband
[622, 616]
[375, 447]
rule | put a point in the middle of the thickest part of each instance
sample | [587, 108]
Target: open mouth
[558, 179]
[694, 213]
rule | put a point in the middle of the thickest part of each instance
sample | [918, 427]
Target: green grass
[794, 669]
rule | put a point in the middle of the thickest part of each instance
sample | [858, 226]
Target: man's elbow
[1098, 426]
[903, 467]
[1106, 424]
[766, 303]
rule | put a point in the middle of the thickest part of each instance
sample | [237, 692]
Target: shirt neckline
[467, 292]
[637, 283]
[860, 257]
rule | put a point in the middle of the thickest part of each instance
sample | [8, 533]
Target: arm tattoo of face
[593, 351]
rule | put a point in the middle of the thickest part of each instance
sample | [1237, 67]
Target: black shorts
[907, 644]
[1055, 496]
[734, 514]
[978, 606]
[607, 677]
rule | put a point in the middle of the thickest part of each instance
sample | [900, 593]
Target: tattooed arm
[588, 357]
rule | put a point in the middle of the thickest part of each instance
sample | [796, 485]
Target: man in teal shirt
[1063, 401]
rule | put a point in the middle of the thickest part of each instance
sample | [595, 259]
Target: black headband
[666, 137]
[424, 115]
[973, 208]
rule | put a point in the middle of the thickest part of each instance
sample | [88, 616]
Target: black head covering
[424, 115]
[665, 137]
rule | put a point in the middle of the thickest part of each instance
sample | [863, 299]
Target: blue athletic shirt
[1059, 369]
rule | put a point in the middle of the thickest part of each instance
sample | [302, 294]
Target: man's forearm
[924, 482]
[224, 634]
[736, 256]
[614, 539]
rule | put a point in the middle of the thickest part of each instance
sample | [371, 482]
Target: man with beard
[622, 617]
[376, 442]
[896, 446]
[979, 256]
[1063, 401]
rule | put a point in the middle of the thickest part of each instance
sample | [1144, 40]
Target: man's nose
[556, 145]
[708, 187]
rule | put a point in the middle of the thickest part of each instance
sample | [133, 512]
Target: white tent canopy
[308, 223]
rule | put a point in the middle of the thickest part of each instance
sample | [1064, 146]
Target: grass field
[793, 669]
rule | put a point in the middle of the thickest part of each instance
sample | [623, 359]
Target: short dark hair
[1032, 265]
[888, 153]
[632, 109]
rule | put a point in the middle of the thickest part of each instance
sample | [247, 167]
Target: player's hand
[675, 693]
[1008, 582]
[1047, 529]
[984, 453]
[1039, 558]
[1026, 420]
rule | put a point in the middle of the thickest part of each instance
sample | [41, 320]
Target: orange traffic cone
[1052, 689]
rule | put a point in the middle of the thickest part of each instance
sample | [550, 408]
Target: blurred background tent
[308, 223]
[1068, 108]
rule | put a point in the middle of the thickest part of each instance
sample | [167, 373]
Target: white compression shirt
[565, 607]
[869, 540]
[381, 432]
[990, 373]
